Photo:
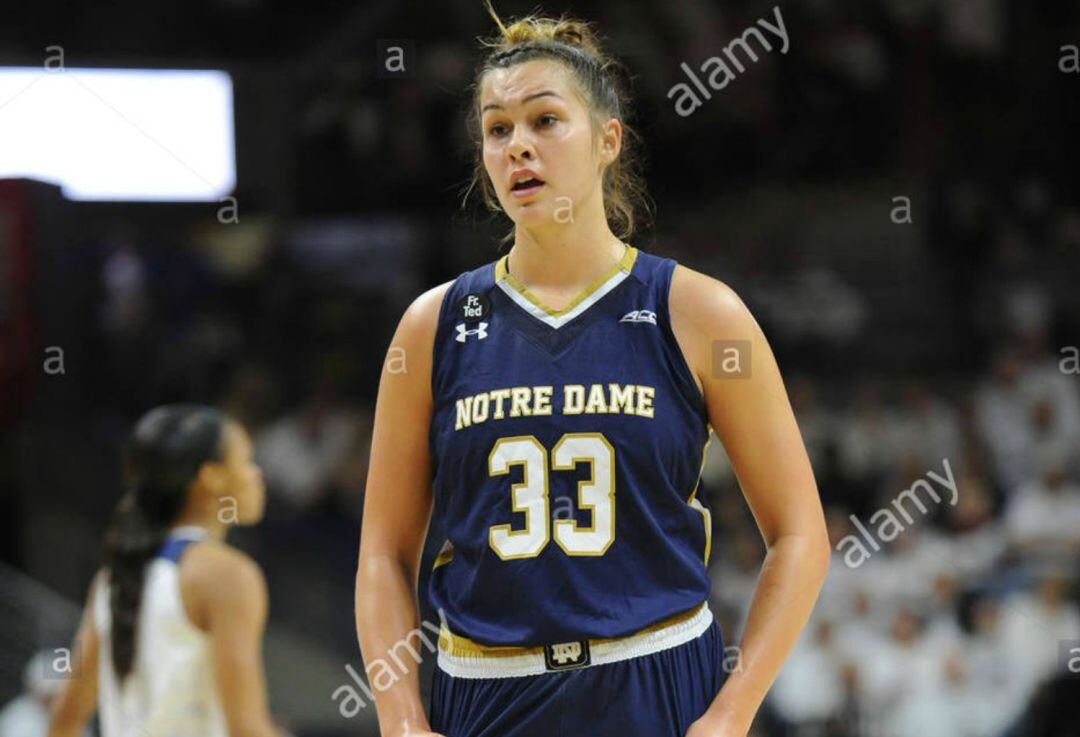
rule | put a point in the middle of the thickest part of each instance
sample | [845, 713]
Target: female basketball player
[551, 409]
[170, 642]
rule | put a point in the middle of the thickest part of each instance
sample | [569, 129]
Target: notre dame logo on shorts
[566, 655]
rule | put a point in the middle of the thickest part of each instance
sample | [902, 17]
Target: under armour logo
[639, 316]
[480, 331]
[566, 655]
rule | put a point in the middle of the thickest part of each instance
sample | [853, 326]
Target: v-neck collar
[588, 297]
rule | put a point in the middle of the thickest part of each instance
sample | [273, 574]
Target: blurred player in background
[171, 639]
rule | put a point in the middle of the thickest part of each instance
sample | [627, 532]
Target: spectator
[1001, 416]
[809, 691]
[301, 453]
[999, 689]
[927, 430]
[1037, 623]
[891, 672]
[27, 715]
[1043, 521]
[976, 540]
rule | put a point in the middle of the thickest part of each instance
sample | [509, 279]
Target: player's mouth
[526, 184]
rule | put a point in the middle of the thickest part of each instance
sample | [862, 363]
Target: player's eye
[496, 129]
[546, 117]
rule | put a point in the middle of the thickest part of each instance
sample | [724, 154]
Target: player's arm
[224, 591]
[749, 409]
[397, 510]
[77, 700]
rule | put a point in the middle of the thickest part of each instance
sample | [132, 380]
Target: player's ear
[610, 143]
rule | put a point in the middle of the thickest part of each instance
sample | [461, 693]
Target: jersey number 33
[530, 496]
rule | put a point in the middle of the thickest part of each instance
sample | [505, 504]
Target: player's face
[244, 480]
[531, 117]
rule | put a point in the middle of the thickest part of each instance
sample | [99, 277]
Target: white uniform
[171, 690]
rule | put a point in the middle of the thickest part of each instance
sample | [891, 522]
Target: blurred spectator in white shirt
[1050, 443]
[976, 540]
[903, 571]
[1002, 419]
[927, 429]
[1043, 522]
[809, 689]
[1036, 625]
[863, 630]
[301, 453]
[999, 687]
[1028, 416]
[1044, 381]
[891, 671]
[943, 633]
[27, 715]
[938, 706]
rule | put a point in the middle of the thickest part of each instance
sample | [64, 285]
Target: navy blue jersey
[567, 447]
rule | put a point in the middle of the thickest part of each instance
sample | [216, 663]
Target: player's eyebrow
[545, 93]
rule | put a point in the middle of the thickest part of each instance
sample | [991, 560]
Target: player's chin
[253, 512]
[532, 212]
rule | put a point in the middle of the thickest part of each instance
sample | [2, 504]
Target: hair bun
[574, 33]
[532, 29]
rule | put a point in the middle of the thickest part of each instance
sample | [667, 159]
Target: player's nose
[520, 147]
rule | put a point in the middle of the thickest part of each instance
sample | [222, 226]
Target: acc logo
[639, 316]
[474, 308]
[566, 655]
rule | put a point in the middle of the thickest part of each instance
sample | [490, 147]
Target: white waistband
[532, 661]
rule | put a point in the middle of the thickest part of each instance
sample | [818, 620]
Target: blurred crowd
[956, 618]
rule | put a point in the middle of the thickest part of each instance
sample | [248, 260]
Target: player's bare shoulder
[214, 574]
[704, 309]
[415, 335]
[410, 353]
[700, 298]
[423, 312]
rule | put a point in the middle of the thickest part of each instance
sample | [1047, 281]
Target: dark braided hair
[598, 79]
[163, 456]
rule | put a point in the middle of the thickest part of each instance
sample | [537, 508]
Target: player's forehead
[517, 85]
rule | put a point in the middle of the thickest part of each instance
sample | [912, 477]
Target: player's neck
[201, 518]
[567, 259]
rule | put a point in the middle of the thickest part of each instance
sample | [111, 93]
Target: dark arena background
[892, 189]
